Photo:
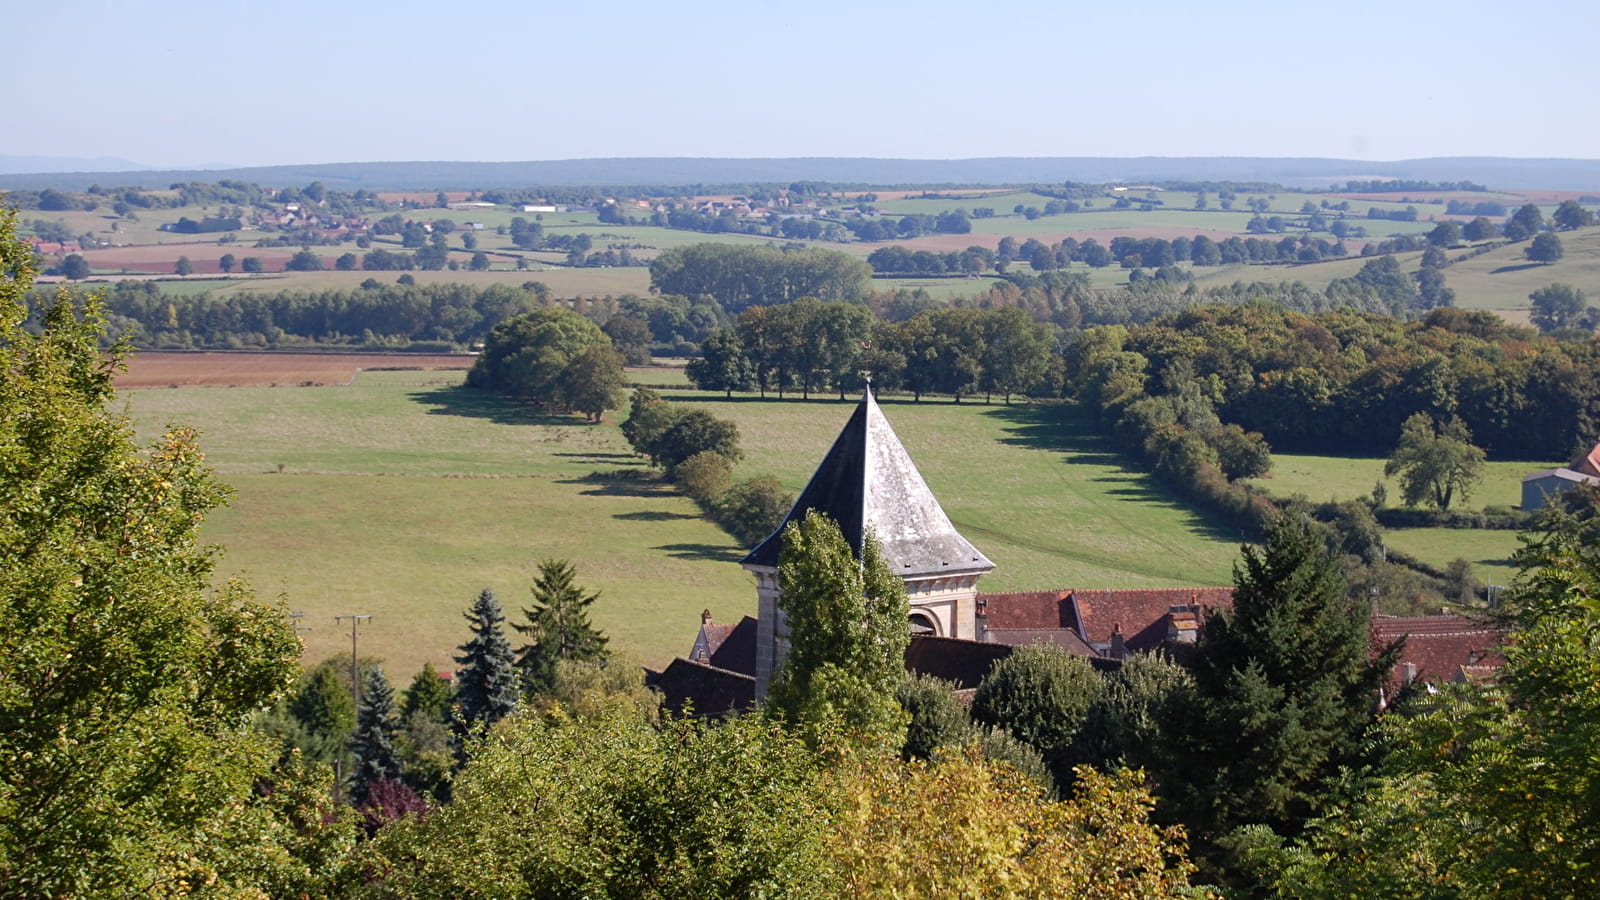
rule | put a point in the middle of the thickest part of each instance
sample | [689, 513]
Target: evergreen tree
[373, 744]
[847, 634]
[428, 694]
[486, 689]
[558, 627]
[1285, 686]
[327, 713]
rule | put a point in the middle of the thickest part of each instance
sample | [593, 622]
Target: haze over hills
[1497, 172]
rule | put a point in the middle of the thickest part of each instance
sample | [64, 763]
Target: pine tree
[847, 634]
[558, 627]
[487, 683]
[1285, 685]
[373, 743]
[428, 694]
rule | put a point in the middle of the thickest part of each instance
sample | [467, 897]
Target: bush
[753, 509]
[705, 477]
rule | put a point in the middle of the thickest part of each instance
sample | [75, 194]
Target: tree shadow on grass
[1502, 270]
[653, 515]
[1069, 430]
[459, 400]
[709, 552]
[620, 483]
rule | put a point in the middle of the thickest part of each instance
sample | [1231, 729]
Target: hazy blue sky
[258, 82]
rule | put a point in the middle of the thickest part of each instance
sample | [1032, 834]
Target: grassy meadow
[1321, 478]
[403, 494]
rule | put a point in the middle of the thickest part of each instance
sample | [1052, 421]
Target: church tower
[867, 482]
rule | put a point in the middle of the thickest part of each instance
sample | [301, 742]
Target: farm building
[868, 483]
[1538, 487]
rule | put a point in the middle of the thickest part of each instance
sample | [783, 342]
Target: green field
[1488, 550]
[1321, 478]
[403, 494]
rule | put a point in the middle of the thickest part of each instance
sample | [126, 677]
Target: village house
[868, 483]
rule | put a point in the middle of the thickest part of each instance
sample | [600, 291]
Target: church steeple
[867, 482]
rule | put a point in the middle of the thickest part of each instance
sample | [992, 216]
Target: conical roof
[868, 481]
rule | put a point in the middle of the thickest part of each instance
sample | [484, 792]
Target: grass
[1503, 278]
[1321, 478]
[403, 494]
[1489, 551]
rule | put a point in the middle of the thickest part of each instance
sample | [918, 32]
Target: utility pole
[355, 660]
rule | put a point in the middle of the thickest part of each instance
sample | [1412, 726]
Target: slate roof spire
[868, 481]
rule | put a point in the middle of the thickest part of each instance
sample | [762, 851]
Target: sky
[179, 83]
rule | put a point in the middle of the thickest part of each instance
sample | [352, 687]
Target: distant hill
[56, 164]
[1497, 172]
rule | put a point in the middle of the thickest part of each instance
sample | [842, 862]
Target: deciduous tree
[127, 677]
[1435, 465]
[847, 634]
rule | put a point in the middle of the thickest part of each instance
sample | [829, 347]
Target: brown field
[154, 368]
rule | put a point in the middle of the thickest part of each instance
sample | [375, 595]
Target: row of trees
[739, 276]
[810, 346]
[451, 315]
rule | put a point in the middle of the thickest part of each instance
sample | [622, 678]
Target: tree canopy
[557, 627]
[127, 678]
[848, 632]
[1435, 465]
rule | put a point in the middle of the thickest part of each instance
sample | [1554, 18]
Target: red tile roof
[1440, 646]
[1027, 609]
[1141, 614]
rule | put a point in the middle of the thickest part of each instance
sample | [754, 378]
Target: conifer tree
[847, 634]
[1285, 687]
[428, 694]
[373, 744]
[558, 627]
[487, 682]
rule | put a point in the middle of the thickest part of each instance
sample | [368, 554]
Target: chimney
[705, 618]
[1408, 672]
[1118, 649]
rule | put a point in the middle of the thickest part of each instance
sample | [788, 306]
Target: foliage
[753, 508]
[487, 682]
[127, 679]
[965, 827]
[558, 627]
[1557, 306]
[1126, 725]
[705, 476]
[1435, 465]
[547, 356]
[1041, 695]
[1489, 790]
[325, 712]
[670, 433]
[429, 694]
[1545, 247]
[693, 809]
[373, 743]
[741, 275]
[722, 365]
[847, 635]
[1284, 689]
[938, 719]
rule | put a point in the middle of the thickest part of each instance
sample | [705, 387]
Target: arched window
[922, 623]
